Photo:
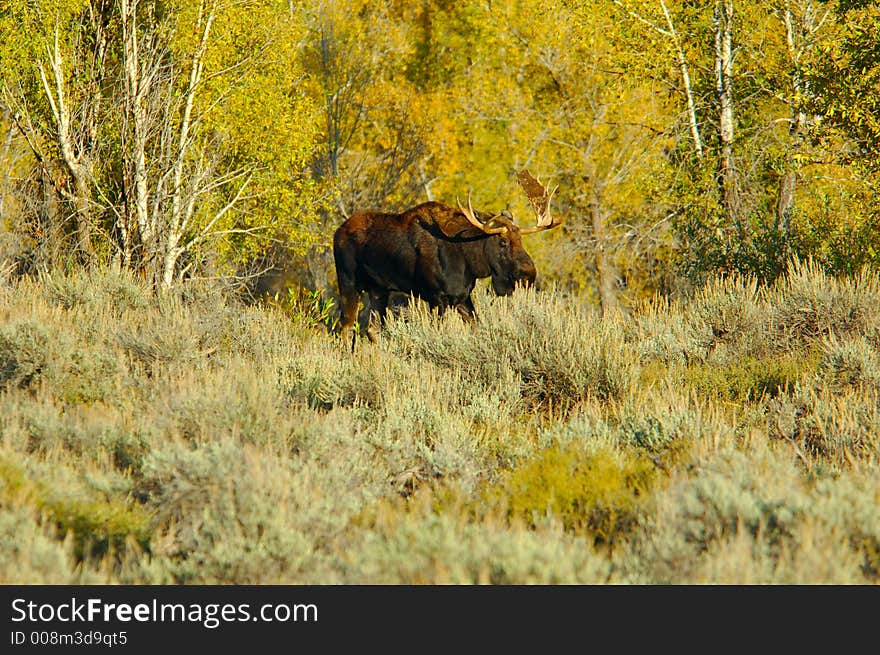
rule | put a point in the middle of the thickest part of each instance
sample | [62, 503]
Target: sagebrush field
[188, 438]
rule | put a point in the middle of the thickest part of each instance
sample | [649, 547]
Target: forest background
[227, 139]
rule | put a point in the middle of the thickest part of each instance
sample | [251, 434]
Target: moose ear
[455, 225]
[495, 223]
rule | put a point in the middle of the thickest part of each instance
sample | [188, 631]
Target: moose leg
[465, 308]
[467, 311]
[438, 304]
[378, 306]
[349, 297]
[348, 303]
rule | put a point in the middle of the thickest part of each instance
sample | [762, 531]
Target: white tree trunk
[606, 269]
[75, 160]
[135, 152]
[183, 200]
[801, 21]
[686, 83]
[163, 209]
[723, 21]
[683, 67]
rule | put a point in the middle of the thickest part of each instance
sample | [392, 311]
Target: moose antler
[472, 219]
[539, 198]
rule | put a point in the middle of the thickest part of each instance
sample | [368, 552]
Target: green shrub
[158, 344]
[102, 290]
[750, 379]
[25, 355]
[32, 354]
[307, 307]
[216, 526]
[662, 341]
[750, 516]
[849, 507]
[90, 375]
[95, 524]
[93, 433]
[663, 435]
[324, 380]
[811, 555]
[238, 401]
[227, 513]
[33, 553]
[593, 491]
[99, 526]
[412, 543]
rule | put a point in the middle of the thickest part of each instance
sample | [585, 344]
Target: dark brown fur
[430, 251]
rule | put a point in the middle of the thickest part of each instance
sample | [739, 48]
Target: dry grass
[188, 439]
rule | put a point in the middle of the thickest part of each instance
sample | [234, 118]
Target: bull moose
[434, 252]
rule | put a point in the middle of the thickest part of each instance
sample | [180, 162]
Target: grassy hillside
[188, 439]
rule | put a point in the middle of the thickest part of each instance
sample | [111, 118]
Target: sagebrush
[188, 438]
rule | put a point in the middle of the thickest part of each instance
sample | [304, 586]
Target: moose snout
[527, 274]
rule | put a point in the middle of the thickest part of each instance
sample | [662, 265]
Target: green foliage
[100, 526]
[802, 104]
[309, 308]
[96, 526]
[750, 379]
[594, 491]
[39, 554]
[845, 71]
[839, 227]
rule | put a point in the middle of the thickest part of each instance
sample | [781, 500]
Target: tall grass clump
[560, 353]
[848, 362]
[225, 514]
[808, 304]
[101, 291]
[827, 427]
[24, 354]
[725, 321]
